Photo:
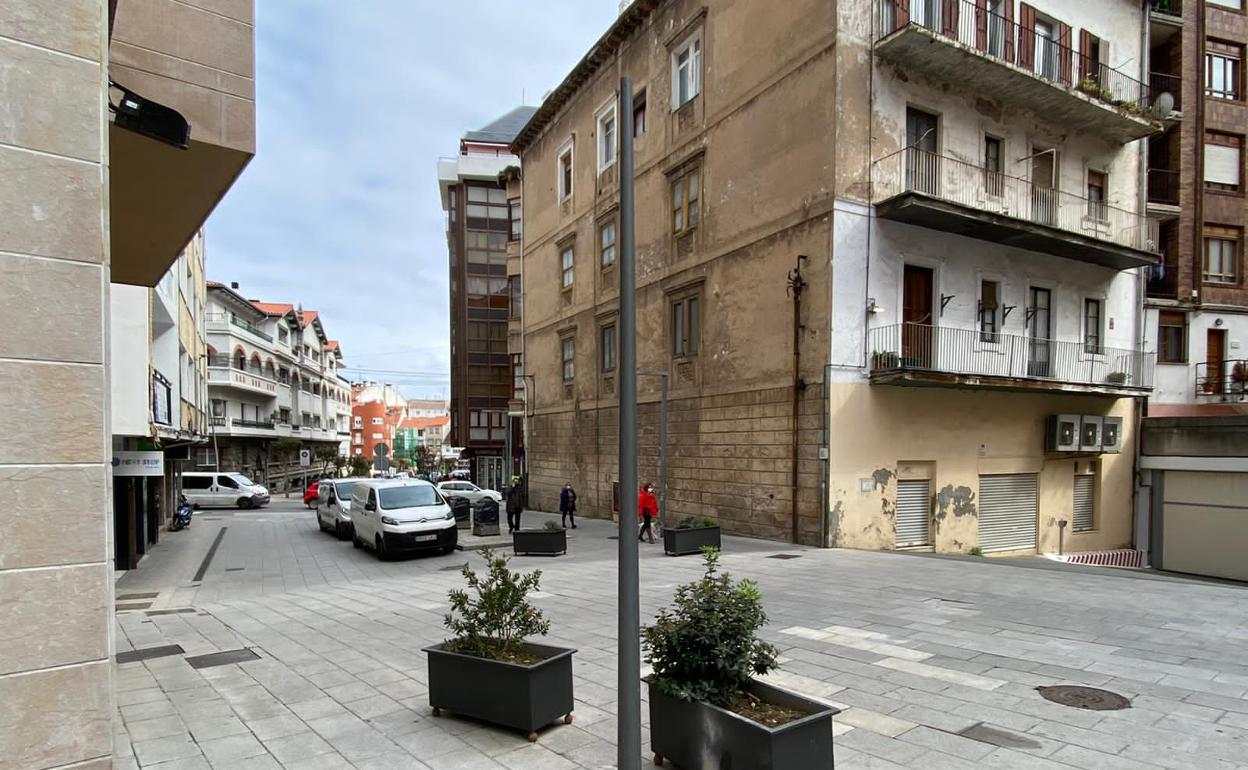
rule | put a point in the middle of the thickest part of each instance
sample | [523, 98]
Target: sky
[355, 102]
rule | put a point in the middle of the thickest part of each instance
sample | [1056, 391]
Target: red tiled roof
[307, 316]
[216, 285]
[273, 308]
[331, 345]
[421, 423]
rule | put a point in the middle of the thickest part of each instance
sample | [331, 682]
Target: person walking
[515, 504]
[647, 509]
[567, 505]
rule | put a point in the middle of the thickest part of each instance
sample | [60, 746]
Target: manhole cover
[1084, 698]
[784, 556]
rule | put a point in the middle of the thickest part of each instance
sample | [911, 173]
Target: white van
[333, 506]
[204, 489]
[400, 515]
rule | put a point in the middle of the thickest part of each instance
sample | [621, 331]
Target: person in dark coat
[567, 505]
[515, 504]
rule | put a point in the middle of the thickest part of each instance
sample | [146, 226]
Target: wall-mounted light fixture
[1218, 322]
[873, 308]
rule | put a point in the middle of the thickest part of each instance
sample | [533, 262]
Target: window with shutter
[1084, 507]
[1223, 161]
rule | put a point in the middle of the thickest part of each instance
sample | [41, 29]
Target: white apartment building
[272, 374]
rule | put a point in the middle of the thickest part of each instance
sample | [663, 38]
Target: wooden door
[1039, 332]
[916, 328]
[1215, 361]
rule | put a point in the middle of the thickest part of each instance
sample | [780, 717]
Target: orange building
[376, 413]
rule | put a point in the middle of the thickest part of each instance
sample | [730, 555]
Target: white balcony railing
[911, 170]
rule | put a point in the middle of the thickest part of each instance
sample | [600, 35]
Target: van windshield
[243, 480]
[344, 489]
[408, 497]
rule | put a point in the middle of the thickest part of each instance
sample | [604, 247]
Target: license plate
[425, 538]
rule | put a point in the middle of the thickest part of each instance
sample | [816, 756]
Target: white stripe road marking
[943, 674]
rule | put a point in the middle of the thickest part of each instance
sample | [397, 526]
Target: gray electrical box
[1062, 433]
[1111, 434]
[1090, 433]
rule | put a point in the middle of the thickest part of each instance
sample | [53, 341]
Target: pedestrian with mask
[515, 504]
[567, 505]
[647, 509]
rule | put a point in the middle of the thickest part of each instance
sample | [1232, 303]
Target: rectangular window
[565, 173]
[607, 345]
[606, 137]
[515, 292]
[1223, 161]
[1097, 184]
[514, 214]
[567, 260]
[1172, 337]
[687, 71]
[989, 311]
[357, 422]
[685, 327]
[1092, 342]
[606, 239]
[1221, 254]
[639, 114]
[568, 353]
[994, 181]
[685, 202]
[1223, 70]
[379, 421]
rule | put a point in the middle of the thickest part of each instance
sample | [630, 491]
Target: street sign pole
[628, 726]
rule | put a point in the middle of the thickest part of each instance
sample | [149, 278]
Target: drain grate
[785, 556]
[138, 606]
[178, 611]
[147, 653]
[222, 658]
[235, 569]
[1089, 698]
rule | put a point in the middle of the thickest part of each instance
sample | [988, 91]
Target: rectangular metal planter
[699, 735]
[680, 542]
[542, 542]
[509, 694]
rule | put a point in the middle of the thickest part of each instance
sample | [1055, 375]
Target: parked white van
[333, 506]
[400, 515]
[205, 489]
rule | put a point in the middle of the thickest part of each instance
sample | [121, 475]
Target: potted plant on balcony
[1116, 378]
[883, 361]
[489, 671]
[550, 540]
[706, 707]
[690, 535]
[1239, 376]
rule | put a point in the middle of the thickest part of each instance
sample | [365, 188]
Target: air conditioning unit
[1090, 433]
[1111, 434]
[1062, 434]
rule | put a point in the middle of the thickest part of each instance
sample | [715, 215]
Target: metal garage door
[1084, 504]
[1204, 527]
[1007, 512]
[913, 502]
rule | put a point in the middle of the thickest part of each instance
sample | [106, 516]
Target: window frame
[1229, 59]
[608, 349]
[1098, 208]
[1093, 326]
[990, 321]
[994, 178]
[1225, 235]
[515, 214]
[691, 45]
[567, 358]
[1228, 140]
[607, 155]
[567, 266]
[686, 197]
[603, 226]
[685, 320]
[566, 173]
[1164, 354]
[639, 114]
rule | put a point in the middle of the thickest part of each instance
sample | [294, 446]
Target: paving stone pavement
[915, 649]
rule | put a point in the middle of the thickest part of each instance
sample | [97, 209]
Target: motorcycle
[182, 516]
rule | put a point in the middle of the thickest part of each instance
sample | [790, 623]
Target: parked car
[396, 516]
[333, 506]
[311, 493]
[466, 489]
[204, 489]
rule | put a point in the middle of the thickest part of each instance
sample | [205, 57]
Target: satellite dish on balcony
[1163, 105]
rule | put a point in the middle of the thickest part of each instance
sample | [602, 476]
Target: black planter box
[509, 694]
[699, 735]
[680, 542]
[543, 542]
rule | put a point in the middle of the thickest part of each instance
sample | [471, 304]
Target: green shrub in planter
[490, 670]
[690, 535]
[1116, 378]
[706, 708]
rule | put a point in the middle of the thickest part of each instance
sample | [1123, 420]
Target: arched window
[255, 363]
[240, 358]
[270, 369]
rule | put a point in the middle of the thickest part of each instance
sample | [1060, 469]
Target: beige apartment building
[99, 183]
[892, 256]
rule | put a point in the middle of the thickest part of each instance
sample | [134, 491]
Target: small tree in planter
[550, 540]
[706, 708]
[691, 535]
[489, 670]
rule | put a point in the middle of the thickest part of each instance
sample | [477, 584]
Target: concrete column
[56, 587]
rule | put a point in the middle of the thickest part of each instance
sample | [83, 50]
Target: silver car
[333, 506]
[469, 491]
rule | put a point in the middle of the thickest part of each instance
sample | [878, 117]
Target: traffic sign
[305, 458]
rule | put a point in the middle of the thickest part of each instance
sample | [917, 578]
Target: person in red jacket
[647, 509]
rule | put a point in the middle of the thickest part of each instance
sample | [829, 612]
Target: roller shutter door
[1204, 528]
[913, 502]
[1007, 512]
[1085, 503]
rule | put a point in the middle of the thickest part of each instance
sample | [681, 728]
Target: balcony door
[1040, 332]
[1215, 361]
[996, 28]
[1044, 194]
[922, 160]
[1048, 54]
[916, 316]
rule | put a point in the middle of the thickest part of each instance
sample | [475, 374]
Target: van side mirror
[370, 506]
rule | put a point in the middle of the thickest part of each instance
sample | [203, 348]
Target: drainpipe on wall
[796, 284]
[1198, 163]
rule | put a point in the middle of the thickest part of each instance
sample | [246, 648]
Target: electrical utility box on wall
[1062, 433]
[1083, 434]
[1089, 433]
[1111, 434]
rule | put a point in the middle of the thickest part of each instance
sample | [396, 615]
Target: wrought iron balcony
[945, 193]
[218, 321]
[1163, 186]
[1225, 380]
[921, 354]
[1171, 8]
[962, 42]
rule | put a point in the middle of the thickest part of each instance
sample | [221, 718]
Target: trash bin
[485, 520]
[462, 510]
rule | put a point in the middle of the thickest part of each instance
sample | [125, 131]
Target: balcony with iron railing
[963, 43]
[229, 372]
[926, 355]
[1224, 380]
[1170, 10]
[945, 193]
[221, 321]
[1163, 186]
